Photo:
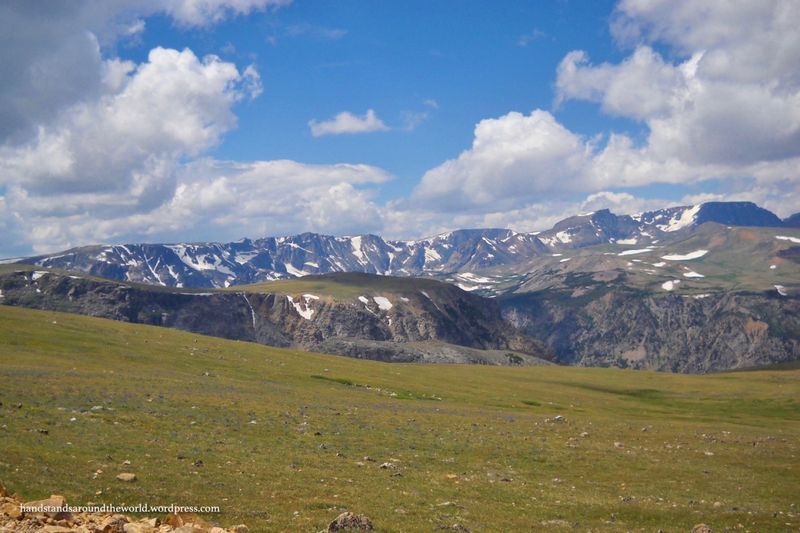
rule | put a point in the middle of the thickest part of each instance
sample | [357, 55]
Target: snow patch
[565, 260]
[685, 257]
[787, 238]
[781, 290]
[634, 252]
[773, 267]
[38, 274]
[692, 274]
[628, 241]
[469, 276]
[669, 285]
[403, 298]
[681, 220]
[355, 243]
[564, 236]
[303, 310]
[431, 255]
[383, 303]
[293, 271]
[363, 300]
[659, 264]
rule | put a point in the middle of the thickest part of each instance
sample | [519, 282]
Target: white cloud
[732, 101]
[513, 159]
[706, 118]
[412, 119]
[52, 52]
[533, 35]
[347, 123]
[173, 105]
[211, 199]
[641, 87]
[206, 12]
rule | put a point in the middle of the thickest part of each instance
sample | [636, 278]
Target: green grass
[472, 444]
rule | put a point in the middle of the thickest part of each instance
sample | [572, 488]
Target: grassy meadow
[285, 441]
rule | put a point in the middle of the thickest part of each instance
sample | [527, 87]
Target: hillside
[359, 315]
[286, 440]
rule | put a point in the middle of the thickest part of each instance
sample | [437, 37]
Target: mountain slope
[352, 314]
[717, 298]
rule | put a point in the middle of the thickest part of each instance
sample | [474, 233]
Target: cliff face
[441, 313]
[668, 332]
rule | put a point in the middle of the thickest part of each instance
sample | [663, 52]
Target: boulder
[55, 501]
[11, 510]
[350, 522]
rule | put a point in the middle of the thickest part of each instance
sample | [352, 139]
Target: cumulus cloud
[724, 104]
[171, 106]
[347, 123]
[513, 159]
[52, 53]
[211, 199]
[732, 101]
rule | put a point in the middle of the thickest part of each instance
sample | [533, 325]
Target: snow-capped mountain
[461, 251]
[644, 228]
[248, 261]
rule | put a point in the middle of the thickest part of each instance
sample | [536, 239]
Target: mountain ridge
[217, 265]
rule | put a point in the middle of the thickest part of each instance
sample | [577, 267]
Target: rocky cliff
[414, 311]
[669, 332]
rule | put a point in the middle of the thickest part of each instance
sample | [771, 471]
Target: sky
[211, 120]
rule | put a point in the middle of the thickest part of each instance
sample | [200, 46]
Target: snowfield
[685, 257]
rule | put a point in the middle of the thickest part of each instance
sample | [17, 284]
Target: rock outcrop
[677, 333]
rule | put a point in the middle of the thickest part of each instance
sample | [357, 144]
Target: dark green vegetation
[278, 438]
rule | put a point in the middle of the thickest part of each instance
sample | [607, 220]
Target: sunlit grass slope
[278, 438]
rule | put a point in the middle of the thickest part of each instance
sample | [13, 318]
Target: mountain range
[685, 289]
[217, 265]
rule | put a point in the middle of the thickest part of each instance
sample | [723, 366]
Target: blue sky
[151, 120]
[474, 59]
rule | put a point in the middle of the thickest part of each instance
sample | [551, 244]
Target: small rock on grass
[350, 522]
[126, 476]
[702, 528]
